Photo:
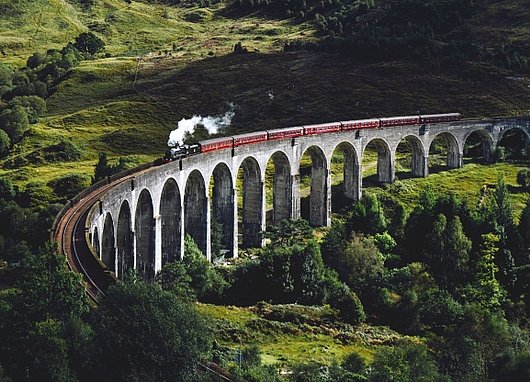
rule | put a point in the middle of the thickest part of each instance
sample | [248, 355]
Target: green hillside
[169, 62]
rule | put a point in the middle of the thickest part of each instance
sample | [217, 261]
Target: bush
[88, 42]
[144, 333]
[7, 191]
[62, 151]
[14, 122]
[523, 179]
[35, 106]
[69, 185]
[5, 144]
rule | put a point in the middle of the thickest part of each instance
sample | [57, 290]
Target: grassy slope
[99, 107]
[285, 343]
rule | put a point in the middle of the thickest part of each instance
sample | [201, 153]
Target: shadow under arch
[411, 144]
[95, 242]
[280, 172]
[196, 209]
[170, 221]
[145, 236]
[124, 241]
[319, 198]
[251, 211]
[452, 158]
[350, 173]
[515, 142]
[222, 217]
[385, 167]
[478, 144]
[108, 250]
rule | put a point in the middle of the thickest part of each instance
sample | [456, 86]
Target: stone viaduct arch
[108, 249]
[170, 221]
[124, 240]
[196, 210]
[222, 206]
[145, 238]
[140, 223]
[281, 187]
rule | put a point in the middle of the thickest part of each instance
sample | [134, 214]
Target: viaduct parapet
[141, 223]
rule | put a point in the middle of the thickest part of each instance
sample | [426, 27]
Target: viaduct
[139, 221]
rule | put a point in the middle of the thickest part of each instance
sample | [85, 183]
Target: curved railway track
[70, 234]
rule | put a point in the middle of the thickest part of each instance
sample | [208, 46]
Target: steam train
[179, 152]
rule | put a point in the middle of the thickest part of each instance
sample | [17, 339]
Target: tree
[523, 178]
[367, 216]
[505, 228]
[174, 278]
[7, 191]
[447, 252]
[49, 288]
[355, 363]
[14, 122]
[404, 362]
[145, 333]
[35, 106]
[205, 280]
[46, 294]
[36, 60]
[88, 42]
[307, 269]
[6, 79]
[5, 144]
[101, 170]
[486, 289]
[524, 227]
[290, 232]
[69, 185]
[276, 270]
[360, 265]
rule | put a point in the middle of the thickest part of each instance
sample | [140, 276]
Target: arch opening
[95, 242]
[514, 144]
[108, 249]
[278, 183]
[314, 183]
[170, 221]
[410, 158]
[444, 153]
[221, 191]
[345, 176]
[250, 204]
[145, 236]
[377, 163]
[478, 147]
[124, 241]
[196, 209]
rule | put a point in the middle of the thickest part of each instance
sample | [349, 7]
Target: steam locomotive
[179, 152]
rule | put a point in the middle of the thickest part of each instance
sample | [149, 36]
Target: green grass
[285, 343]
[466, 182]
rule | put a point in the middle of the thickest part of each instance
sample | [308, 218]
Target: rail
[70, 231]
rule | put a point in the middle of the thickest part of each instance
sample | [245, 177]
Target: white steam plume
[212, 124]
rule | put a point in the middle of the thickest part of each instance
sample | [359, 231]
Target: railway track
[70, 234]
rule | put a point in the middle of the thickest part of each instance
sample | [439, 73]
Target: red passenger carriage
[322, 128]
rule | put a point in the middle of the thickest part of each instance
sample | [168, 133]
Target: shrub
[35, 106]
[69, 185]
[62, 151]
[14, 122]
[5, 144]
[523, 178]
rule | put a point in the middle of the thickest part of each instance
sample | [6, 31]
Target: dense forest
[434, 290]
